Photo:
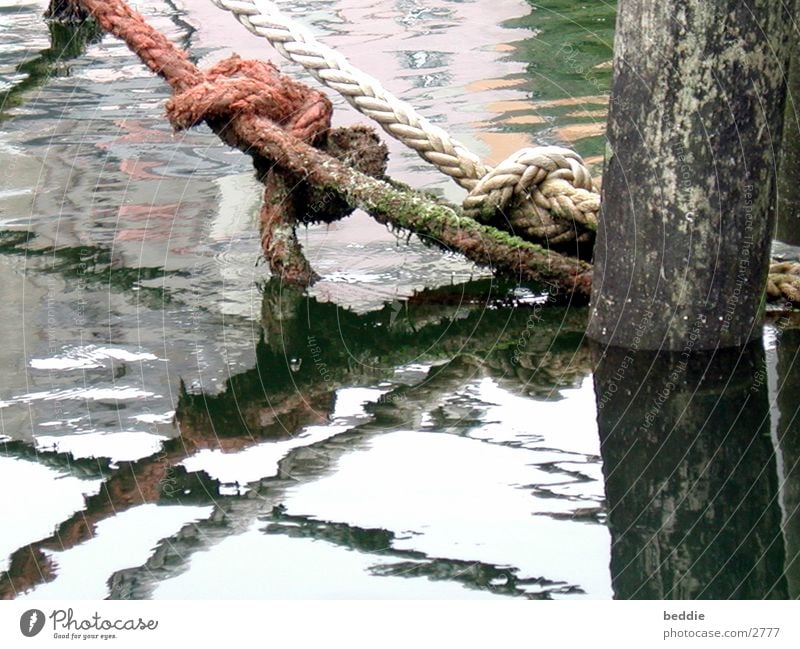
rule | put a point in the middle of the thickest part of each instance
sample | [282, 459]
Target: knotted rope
[783, 281]
[236, 86]
[253, 89]
[543, 192]
[256, 89]
[268, 141]
[244, 119]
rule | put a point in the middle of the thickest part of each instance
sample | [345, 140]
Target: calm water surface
[176, 425]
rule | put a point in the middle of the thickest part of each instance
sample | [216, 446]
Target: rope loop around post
[553, 178]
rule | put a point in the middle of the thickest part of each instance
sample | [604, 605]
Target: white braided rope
[563, 184]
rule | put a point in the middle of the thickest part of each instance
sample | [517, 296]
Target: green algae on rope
[258, 135]
[438, 224]
[389, 204]
[542, 193]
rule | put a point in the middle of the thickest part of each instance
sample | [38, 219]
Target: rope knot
[783, 281]
[236, 86]
[542, 192]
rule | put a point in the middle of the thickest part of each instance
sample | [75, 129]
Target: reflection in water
[286, 415]
[567, 74]
[66, 42]
[788, 428]
[442, 438]
[691, 477]
[473, 574]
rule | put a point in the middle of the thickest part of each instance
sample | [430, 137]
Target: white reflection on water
[81, 358]
[262, 460]
[122, 446]
[253, 565]
[56, 496]
[124, 541]
[477, 501]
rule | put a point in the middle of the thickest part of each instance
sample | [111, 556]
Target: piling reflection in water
[788, 434]
[691, 476]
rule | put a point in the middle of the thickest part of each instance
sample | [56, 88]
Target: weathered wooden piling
[689, 185]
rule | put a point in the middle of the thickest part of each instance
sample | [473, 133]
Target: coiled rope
[541, 192]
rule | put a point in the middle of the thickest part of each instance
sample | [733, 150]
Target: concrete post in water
[788, 229]
[689, 183]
